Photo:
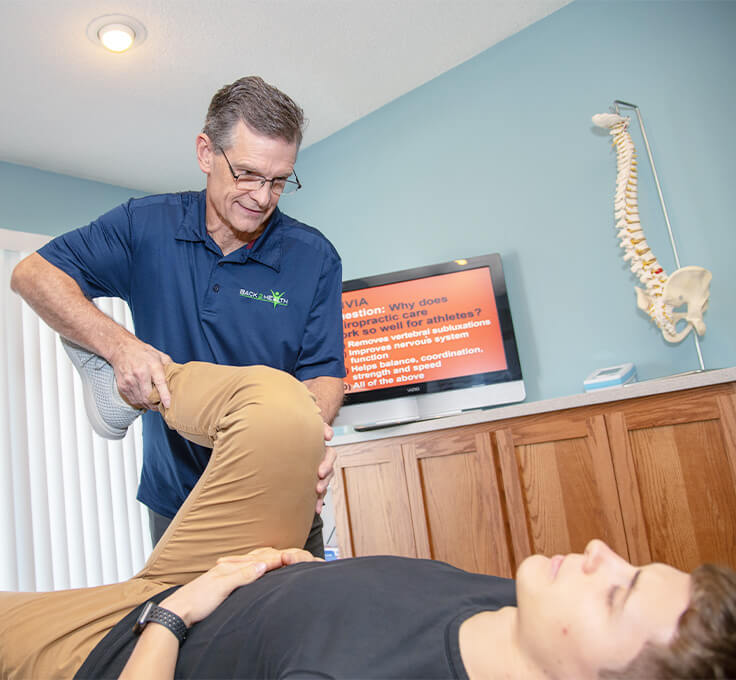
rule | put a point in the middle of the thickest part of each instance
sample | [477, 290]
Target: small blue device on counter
[611, 376]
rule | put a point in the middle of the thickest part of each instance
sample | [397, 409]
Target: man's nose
[262, 195]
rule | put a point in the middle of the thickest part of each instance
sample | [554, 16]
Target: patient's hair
[704, 643]
[260, 106]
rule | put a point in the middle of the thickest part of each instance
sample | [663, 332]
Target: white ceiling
[130, 119]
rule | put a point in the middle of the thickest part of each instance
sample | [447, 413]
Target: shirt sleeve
[322, 351]
[99, 256]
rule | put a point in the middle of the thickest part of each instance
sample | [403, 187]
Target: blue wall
[499, 154]
[48, 203]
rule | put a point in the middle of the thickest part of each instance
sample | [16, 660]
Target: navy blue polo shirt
[277, 303]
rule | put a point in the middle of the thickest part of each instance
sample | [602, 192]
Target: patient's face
[580, 613]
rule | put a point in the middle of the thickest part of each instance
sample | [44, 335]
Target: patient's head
[581, 616]
[704, 643]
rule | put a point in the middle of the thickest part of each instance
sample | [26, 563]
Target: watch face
[152, 613]
[142, 620]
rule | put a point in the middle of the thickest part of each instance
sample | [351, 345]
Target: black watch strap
[152, 613]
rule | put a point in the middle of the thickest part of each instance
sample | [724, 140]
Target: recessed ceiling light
[116, 37]
[116, 32]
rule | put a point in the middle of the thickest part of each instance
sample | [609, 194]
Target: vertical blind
[68, 513]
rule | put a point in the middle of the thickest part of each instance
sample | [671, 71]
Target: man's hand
[139, 368]
[200, 597]
[326, 470]
[59, 301]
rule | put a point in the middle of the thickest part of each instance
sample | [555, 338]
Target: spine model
[659, 292]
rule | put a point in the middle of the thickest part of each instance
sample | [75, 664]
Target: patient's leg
[258, 489]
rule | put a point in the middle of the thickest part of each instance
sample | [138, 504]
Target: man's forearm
[328, 392]
[60, 302]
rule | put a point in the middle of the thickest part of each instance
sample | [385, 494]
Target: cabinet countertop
[646, 388]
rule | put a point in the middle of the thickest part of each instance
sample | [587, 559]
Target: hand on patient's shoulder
[199, 598]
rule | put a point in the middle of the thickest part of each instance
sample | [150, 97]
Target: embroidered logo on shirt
[275, 298]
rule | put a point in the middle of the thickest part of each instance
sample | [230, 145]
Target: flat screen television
[428, 342]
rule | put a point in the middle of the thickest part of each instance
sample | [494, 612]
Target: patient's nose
[597, 553]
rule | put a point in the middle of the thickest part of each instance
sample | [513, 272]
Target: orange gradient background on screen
[416, 331]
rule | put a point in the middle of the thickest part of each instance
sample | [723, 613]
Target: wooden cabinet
[560, 484]
[372, 503]
[443, 500]
[675, 461]
[655, 477]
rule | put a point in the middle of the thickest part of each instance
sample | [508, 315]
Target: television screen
[430, 341]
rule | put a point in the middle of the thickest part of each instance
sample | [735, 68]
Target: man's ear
[205, 153]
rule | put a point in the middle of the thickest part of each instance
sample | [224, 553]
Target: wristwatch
[152, 613]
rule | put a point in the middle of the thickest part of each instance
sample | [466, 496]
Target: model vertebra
[661, 293]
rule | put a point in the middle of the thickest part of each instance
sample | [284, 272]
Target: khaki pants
[258, 489]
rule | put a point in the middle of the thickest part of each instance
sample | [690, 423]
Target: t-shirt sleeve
[99, 256]
[321, 352]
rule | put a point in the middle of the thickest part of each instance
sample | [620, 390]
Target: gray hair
[262, 107]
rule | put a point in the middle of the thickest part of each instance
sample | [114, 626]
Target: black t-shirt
[368, 617]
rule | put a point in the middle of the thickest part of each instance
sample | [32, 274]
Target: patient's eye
[614, 591]
[611, 595]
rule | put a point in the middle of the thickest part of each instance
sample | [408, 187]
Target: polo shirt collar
[266, 249]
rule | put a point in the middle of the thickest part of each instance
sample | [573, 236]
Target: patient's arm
[156, 651]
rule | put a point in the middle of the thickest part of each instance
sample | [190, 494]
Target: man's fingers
[329, 433]
[129, 388]
[159, 383]
[139, 368]
[322, 486]
[165, 358]
[326, 467]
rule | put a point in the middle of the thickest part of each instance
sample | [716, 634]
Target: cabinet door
[372, 515]
[675, 460]
[456, 505]
[559, 484]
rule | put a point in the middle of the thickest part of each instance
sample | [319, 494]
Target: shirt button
[216, 287]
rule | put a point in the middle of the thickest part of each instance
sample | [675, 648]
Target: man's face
[579, 614]
[243, 213]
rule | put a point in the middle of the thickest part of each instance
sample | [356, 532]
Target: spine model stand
[661, 294]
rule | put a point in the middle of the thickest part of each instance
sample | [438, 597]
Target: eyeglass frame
[261, 177]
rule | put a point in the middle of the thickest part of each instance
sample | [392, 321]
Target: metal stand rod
[616, 104]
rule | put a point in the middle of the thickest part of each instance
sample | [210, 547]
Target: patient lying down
[579, 616]
[388, 617]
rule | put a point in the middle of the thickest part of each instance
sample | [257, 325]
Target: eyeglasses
[248, 181]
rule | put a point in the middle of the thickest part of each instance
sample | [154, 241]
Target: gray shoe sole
[80, 357]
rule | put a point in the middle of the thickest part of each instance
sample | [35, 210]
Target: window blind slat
[68, 513]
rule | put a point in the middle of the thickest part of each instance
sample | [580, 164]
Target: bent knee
[284, 393]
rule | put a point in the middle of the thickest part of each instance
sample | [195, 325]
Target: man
[221, 276]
